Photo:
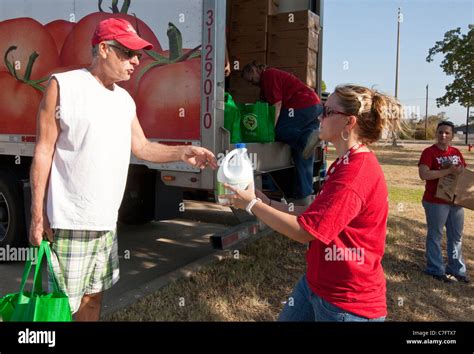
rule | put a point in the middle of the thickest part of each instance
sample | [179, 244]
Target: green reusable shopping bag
[232, 119]
[257, 122]
[7, 306]
[37, 305]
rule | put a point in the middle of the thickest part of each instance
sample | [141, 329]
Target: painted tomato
[169, 100]
[59, 30]
[19, 103]
[132, 84]
[77, 47]
[29, 36]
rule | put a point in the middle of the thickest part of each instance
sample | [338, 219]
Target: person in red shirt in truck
[437, 161]
[297, 108]
[346, 225]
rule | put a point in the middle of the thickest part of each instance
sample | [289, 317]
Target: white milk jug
[236, 170]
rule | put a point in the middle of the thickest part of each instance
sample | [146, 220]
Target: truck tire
[12, 216]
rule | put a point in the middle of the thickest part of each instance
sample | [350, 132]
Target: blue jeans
[305, 306]
[438, 216]
[294, 128]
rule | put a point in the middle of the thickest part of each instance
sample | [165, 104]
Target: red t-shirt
[348, 220]
[277, 85]
[434, 158]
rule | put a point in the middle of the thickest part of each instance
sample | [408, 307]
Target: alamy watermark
[348, 254]
[21, 254]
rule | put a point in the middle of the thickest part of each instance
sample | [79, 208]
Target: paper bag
[464, 193]
[457, 189]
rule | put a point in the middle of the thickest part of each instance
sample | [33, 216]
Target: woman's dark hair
[447, 123]
[253, 66]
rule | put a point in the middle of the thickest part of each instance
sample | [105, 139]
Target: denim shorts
[305, 306]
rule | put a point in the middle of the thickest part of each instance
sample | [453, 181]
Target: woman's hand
[241, 198]
[456, 169]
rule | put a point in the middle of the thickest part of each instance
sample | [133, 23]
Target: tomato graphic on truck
[178, 88]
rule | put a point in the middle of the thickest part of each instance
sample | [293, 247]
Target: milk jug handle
[227, 160]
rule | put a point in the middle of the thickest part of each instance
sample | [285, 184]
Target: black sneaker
[442, 278]
[460, 278]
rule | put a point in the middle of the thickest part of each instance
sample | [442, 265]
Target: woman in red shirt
[437, 161]
[345, 226]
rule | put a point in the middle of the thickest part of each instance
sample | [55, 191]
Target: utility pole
[426, 114]
[467, 125]
[399, 20]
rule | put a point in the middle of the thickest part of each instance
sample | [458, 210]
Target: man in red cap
[87, 126]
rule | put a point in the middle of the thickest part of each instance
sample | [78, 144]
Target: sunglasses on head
[128, 53]
[328, 111]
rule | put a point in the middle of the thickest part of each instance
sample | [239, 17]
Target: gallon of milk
[236, 170]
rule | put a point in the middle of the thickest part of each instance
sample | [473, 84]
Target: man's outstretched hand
[199, 157]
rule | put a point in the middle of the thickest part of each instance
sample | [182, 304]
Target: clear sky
[360, 38]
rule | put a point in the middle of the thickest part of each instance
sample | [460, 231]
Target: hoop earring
[342, 136]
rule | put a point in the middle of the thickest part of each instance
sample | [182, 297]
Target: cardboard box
[295, 58]
[457, 189]
[245, 94]
[248, 27]
[291, 21]
[256, 42]
[242, 97]
[228, 12]
[243, 91]
[245, 24]
[250, 16]
[289, 40]
[304, 73]
[236, 82]
[239, 60]
[241, 8]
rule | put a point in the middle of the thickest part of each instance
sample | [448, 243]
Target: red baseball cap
[121, 31]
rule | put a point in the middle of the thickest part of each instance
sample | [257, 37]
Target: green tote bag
[232, 119]
[257, 122]
[37, 305]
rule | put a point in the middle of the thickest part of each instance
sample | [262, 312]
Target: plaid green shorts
[84, 262]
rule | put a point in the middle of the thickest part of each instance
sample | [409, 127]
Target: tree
[432, 123]
[323, 86]
[458, 50]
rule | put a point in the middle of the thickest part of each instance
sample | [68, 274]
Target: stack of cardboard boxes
[286, 41]
[293, 44]
[247, 41]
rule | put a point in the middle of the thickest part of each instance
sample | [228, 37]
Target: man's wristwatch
[249, 207]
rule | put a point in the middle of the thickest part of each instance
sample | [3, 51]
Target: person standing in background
[439, 160]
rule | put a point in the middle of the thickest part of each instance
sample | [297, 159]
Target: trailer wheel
[12, 217]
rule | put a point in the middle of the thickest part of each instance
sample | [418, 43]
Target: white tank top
[92, 155]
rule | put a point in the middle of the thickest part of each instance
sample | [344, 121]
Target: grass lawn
[254, 285]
